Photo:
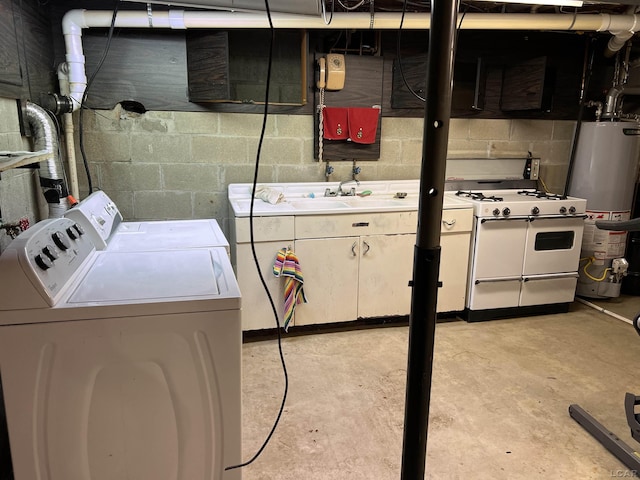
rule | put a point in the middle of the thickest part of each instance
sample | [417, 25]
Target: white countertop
[308, 198]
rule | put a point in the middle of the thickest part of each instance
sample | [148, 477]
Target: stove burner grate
[541, 194]
[478, 196]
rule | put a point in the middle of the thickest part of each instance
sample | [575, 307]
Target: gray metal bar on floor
[426, 264]
[607, 438]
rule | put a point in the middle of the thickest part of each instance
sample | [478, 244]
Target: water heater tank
[606, 165]
[604, 172]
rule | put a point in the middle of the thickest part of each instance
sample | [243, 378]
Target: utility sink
[372, 202]
[319, 204]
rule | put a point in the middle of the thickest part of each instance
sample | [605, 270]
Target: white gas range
[525, 252]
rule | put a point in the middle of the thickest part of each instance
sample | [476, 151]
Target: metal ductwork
[613, 96]
[52, 176]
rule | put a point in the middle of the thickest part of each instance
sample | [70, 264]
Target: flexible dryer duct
[52, 178]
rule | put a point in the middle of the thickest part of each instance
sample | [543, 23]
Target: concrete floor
[500, 395]
[627, 306]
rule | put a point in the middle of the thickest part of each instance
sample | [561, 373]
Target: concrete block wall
[173, 165]
[18, 187]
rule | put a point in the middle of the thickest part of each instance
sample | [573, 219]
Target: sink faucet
[350, 193]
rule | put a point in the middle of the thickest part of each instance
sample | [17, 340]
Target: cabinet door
[454, 264]
[256, 310]
[330, 269]
[386, 267]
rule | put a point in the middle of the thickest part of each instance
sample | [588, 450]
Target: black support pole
[422, 321]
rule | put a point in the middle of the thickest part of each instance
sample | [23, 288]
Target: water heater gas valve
[619, 267]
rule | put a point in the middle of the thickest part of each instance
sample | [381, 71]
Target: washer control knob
[78, 228]
[572, 209]
[563, 210]
[51, 252]
[43, 262]
[506, 211]
[60, 240]
[496, 211]
[535, 210]
[73, 233]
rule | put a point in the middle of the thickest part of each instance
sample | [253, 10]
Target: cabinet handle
[368, 248]
[353, 249]
[449, 224]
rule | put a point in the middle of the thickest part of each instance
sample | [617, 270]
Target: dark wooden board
[27, 67]
[9, 54]
[363, 88]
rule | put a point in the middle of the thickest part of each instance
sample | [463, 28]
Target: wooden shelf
[9, 160]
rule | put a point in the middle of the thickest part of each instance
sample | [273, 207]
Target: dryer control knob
[572, 209]
[73, 233]
[60, 240]
[78, 228]
[496, 211]
[563, 210]
[43, 262]
[506, 211]
[535, 210]
[50, 252]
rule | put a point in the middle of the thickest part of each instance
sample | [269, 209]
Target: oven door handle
[550, 276]
[497, 279]
[555, 217]
[504, 219]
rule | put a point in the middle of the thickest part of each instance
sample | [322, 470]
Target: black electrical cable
[255, 256]
[324, 12]
[398, 43]
[587, 71]
[86, 91]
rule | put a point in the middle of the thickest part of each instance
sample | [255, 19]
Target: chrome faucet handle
[351, 192]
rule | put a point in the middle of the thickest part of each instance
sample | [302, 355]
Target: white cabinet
[455, 241]
[330, 268]
[257, 312]
[347, 278]
[355, 265]
[386, 267]
[270, 234]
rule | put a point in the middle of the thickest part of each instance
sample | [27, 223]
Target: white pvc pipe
[604, 310]
[69, 141]
[76, 20]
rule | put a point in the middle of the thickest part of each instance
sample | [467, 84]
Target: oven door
[496, 271]
[499, 247]
[553, 245]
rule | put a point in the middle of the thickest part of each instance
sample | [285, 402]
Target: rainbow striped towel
[286, 264]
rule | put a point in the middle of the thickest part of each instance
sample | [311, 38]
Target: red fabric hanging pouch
[335, 123]
[363, 124]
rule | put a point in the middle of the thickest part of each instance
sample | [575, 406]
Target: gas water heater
[604, 172]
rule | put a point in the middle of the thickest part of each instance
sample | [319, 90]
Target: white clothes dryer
[101, 219]
[119, 365]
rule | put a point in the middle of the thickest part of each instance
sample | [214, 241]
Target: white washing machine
[99, 216]
[118, 365]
